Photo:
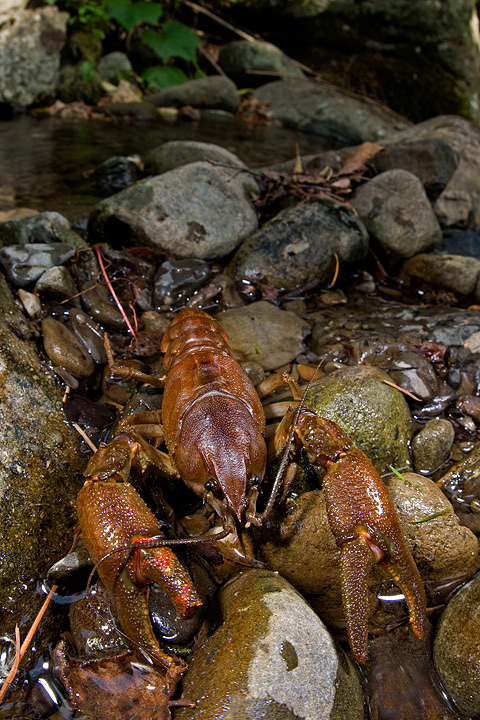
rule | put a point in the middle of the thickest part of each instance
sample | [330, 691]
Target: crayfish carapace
[213, 428]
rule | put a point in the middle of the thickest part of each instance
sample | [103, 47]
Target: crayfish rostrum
[213, 428]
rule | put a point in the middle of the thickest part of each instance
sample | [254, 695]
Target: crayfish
[213, 428]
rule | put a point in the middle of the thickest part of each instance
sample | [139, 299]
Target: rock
[461, 242]
[327, 112]
[453, 209]
[372, 413]
[397, 213]
[40, 471]
[175, 153]
[89, 334]
[456, 273]
[113, 66]
[193, 211]
[63, 349]
[286, 251]
[464, 138]
[30, 46]
[431, 446]
[56, 282]
[130, 111]
[251, 63]
[215, 91]
[264, 333]
[421, 59]
[40, 227]
[101, 306]
[456, 651]
[268, 655]
[115, 174]
[177, 280]
[24, 264]
[432, 161]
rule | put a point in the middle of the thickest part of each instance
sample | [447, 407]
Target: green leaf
[129, 13]
[162, 77]
[86, 70]
[175, 40]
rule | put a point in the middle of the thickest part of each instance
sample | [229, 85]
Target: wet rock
[461, 484]
[30, 302]
[238, 59]
[30, 46]
[431, 446]
[193, 211]
[453, 209]
[176, 153]
[461, 242]
[372, 413]
[100, 305]
[41, 228]
[397, 213]
[56, 282]
[327, 112]
[268, 655]
[215, 91]
[456, 273]
[264, 333]
[89, 334]
[113, 66]
[286, 252]
[24, 264]
[433, 162]
[40, 470]
[177, 280]
[400, 679]
[115, 174]
[63, 349]
[456, 650]
[130, 111]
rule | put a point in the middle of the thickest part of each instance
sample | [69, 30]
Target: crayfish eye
[209, 485]
[254, 481]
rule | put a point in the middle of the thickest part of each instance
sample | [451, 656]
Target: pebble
[56, 282]
[456, 650]
[24, 264]
[89, 334]
[265, 334]
[269, 655]
[457, 273]
[63, 349]
[101, 306]
[398, 214]
[40, 227]
[432, 445]
[115, 174]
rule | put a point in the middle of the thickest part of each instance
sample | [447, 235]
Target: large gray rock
[299, 245]
[268, 656]
[30, 46]
[196, 210]
[327, 111]
[215, 91]
[420, 58]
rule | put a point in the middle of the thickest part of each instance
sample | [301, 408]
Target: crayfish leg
[401, 567]
[356, 560]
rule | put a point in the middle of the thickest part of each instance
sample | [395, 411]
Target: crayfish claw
[356, 560]
[401, 567]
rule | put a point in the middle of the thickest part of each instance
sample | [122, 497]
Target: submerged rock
[269, 655]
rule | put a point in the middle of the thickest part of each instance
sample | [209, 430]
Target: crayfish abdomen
[212, 417]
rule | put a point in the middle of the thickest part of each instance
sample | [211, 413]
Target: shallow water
[44, 161]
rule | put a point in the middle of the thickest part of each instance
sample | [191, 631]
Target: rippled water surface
[44, 162]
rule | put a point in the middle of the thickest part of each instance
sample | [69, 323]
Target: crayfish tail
[356, 559]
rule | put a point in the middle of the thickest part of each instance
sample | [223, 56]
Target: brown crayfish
[213, 428]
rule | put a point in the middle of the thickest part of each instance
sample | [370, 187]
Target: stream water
[44, 162]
